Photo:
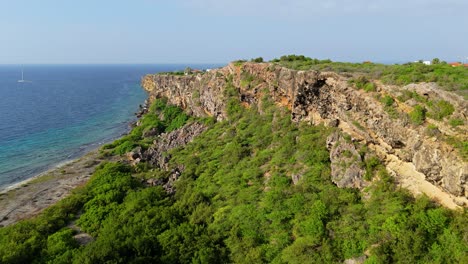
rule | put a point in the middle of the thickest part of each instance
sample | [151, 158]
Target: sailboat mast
[22, 75]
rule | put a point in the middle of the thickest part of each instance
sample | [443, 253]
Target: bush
[372, 164]
[406, 95]
[454, 122]
[239, 63]
[387, 100]
[369, 87]
[258, 60]
[172, 118]
[125, 147]
[418, 115]
[439, 109]
[362, 82]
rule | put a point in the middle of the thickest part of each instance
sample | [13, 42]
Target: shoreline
[14, 186]
[91, 148]
[29, 197]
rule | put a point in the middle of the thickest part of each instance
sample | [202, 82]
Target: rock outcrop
[328, 98]
[157, 155]
[346, 162]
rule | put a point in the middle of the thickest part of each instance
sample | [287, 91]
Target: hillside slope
[419, 154]
[244, 176]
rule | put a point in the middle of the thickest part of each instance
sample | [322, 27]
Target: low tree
[258, 60]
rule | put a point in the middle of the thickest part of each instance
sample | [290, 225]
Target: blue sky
[218, 31]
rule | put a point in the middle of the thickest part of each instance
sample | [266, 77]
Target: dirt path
[32, 196]
[409, 178]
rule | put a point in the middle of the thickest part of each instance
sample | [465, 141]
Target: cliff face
[419, 161]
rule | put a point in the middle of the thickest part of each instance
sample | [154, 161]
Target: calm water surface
[64, 111]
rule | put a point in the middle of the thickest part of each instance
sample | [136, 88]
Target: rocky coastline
[313, 97]
[419, 161]
[28, 198]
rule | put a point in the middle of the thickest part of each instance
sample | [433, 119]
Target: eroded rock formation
[157, 155]
[325, 97]
[346, 162]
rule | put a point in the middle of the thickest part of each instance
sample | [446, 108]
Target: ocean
[63, 111]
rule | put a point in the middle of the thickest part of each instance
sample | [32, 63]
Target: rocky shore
[30, 197]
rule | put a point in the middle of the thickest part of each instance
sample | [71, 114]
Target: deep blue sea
[64, 111]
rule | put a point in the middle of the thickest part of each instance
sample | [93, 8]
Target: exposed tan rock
[356, 260]
[324, 97]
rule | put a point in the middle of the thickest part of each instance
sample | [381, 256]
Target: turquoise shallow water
[64, 111]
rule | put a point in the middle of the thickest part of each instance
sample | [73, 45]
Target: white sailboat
[22, 76]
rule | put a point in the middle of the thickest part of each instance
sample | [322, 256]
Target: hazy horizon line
[383, 61]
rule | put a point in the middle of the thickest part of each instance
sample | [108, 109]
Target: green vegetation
[389, 107]
[372, 166]
[239, 63]
[173, 73]
[387, 101]
[460, 145]
[439, 109]
[406, 95]
[363, 83]
[258, 60]
[454, 122]
[246, 79]
[418, 115]
[236, 202]
[446, 76]
[161, 118]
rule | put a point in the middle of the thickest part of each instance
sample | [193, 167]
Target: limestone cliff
[419, 160]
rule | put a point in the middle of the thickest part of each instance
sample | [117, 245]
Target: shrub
[418, 115]
[406, 95]
[371, 165]
[239, 63]
[360, 82]
[387, 100]
[258, 60]
[246, 79]
[172, 117]
[370, 87]
[363, 83]
[125, 147]
[439, 109]
[454, 122]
